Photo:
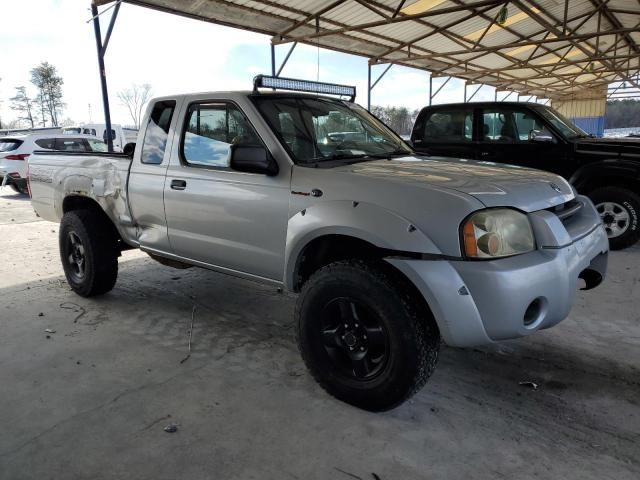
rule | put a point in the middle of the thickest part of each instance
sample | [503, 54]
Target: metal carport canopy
[555, 49]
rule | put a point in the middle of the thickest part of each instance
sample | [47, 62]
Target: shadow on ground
[91, 401]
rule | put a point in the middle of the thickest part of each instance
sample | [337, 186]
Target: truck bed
[55, 177]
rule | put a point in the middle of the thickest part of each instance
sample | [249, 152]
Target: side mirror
[129, 149]
[540, 136]
[252, 159]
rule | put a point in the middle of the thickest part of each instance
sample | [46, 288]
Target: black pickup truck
[536, 136]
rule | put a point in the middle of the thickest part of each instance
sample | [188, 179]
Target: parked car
[123, 138]
[15, 150]
[536, 136]
[388, 251]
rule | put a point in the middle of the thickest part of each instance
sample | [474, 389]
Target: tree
[622, 114]
[135, 98]
[399, 119]
[49, 84]
[23, 104]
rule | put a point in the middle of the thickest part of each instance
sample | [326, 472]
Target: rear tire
[364, 340]
[89, 252]
[619, 208]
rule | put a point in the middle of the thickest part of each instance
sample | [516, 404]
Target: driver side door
[232, 221]
[507, 136]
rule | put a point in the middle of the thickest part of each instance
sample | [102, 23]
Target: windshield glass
[564, 125]
[316, 130]
[71, 131]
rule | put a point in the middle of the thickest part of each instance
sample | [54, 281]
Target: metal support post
[101, 49]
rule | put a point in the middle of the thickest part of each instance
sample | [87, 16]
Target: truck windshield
[564, 125]
[316, 130]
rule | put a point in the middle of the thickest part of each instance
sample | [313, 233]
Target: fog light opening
[591, 279]
[534, 312]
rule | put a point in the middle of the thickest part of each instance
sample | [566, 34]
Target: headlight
[497, 232]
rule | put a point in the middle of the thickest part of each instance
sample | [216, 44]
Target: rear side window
[8, 145]
[155, 137]
[48, 143]
[97, 145]
[448, 126]
[70, 145]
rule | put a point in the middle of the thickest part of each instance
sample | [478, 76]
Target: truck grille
[566, 211]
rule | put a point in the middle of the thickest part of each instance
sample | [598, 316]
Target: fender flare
[626, 170]
[364, 221]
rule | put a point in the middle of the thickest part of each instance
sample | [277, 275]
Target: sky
[174, 55]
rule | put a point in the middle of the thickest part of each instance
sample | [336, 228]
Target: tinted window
[48, 143]
[526, 123]
[449, 126]
[7, 144]
[157, 132]
[70, 145]
[89, 131]
[97, 145]
[566, 127]
[510, 125]
[211, 130]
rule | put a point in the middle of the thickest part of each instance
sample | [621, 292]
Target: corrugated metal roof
[550, 48]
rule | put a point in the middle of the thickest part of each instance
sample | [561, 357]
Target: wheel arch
[607, 173]
[340, 228]
[83, 202]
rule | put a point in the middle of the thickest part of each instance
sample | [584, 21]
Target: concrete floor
[91, 402]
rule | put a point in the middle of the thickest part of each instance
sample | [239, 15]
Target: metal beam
[399, 19]
[286, 58]
[103, 74]
[112, 22]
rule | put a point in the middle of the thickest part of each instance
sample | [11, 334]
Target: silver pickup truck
[388, 251]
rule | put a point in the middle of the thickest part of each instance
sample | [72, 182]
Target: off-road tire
[628, 200]
[100, 249]
[413, 337]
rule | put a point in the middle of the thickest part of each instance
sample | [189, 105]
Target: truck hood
[492, 184]
[612, 147]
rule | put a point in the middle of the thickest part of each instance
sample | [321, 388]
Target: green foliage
[24, 105]
[622, 114]
[49, 84]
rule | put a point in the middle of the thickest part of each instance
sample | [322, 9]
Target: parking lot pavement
[91, 398]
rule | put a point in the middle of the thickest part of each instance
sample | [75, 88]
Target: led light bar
[279, 83]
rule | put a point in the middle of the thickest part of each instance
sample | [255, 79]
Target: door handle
[178, 184]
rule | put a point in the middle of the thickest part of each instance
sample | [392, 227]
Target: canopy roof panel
[547, 48]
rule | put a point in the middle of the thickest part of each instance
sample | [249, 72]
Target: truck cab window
[449, 126]
[155, 137]
[210, 131]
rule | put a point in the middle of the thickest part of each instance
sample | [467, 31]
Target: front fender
[365, 221]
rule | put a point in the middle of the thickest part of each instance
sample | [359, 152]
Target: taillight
[18, 156]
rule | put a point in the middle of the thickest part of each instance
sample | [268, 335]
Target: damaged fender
[365, 221]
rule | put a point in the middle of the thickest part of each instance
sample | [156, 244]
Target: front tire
[364, 340]
[89, 252]
[619, 209]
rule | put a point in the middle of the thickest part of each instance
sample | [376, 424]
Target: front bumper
[479, 302]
